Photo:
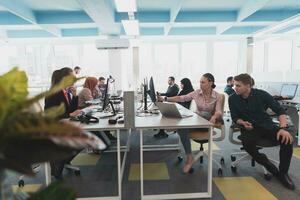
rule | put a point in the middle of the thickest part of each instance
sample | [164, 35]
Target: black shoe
[286, 181]
[271, 168]
[110, 136]
[161, 134]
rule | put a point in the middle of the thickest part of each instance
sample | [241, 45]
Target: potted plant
[35, 137]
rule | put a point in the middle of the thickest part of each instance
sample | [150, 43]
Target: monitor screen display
[289, 90]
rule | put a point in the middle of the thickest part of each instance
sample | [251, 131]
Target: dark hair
[172, 78]
[187, 85]
[210, 78]
[101, 78]
[244, 78]
[252, 82]
[55, 77]
[230, 78]
[76, 68]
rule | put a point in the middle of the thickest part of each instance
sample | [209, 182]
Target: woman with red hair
[88, 92]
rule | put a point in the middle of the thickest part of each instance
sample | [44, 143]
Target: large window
[258, 56]
[225, 60]
[297, 56]
[279, 55]
[194, 60]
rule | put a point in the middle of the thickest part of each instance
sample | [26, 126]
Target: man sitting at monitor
[172, 91]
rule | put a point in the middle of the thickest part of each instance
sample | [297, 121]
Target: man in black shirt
[248, 109]
[228, 89]
[172, 91]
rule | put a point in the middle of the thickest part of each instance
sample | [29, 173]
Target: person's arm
[275, 106]
[218, 110]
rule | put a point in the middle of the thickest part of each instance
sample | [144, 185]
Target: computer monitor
[151, 91]
[289, 90]
[106, 95]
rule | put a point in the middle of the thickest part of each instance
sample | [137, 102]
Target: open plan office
[149, 99]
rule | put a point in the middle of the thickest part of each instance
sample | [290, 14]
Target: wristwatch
[166, 98]
[284, 128]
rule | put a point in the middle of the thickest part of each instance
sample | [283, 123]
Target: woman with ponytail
[209, 106]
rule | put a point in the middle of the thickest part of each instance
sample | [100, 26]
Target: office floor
[163, 174]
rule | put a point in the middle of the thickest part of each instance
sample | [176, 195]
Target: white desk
[159, 122]
[103, 126]
[296, 104]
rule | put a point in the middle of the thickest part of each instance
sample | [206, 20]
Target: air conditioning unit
[112, 44]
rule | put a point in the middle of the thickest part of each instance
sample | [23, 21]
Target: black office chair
[263, 143]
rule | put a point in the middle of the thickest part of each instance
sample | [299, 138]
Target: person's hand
[160, 98]
[76, 113]
[248, 126]
[213, 120]
[72, 89]
[284, 136]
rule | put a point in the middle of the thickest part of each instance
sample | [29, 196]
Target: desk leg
[141, 164]
[209, 167]
[119, 165]
[48, 173]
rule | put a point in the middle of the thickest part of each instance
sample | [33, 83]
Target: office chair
[263, 143]
[202, 136]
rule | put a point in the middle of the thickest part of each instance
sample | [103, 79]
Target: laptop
[173, 110]
[287, 92]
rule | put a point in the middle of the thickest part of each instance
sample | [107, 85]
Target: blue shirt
[253, 108]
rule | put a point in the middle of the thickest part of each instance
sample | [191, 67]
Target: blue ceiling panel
[151, 31]
[271, 15]
[193, 31]
[206, 16]
[7, 18]
[80, 32]
[28, 34]
[243, 29]
[62, 17]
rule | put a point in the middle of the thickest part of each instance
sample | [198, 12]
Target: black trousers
[250, 139]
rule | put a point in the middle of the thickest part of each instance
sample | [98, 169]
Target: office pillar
[136, 67]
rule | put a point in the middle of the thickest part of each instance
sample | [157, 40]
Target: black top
[253, 108]
[57, 99]
[228, 90]
[186, 104]
[172, 91]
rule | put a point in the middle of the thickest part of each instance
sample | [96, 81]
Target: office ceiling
[89, 18]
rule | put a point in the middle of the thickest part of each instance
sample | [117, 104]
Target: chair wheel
[222, 161]
[233, 158]
[233, 169]
[252, 162]
[77, 172]
[220, 172]
[21, 183]
[268, 176]
[180, 159]
[201, 159]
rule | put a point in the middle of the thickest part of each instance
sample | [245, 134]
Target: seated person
[101, 87]
[71, 110]
[171, 92]
[186, 88]
[209, 106]
[247, 108]
[89, 91]
[229, 87]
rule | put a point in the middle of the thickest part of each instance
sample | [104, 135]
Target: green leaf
[13, 91]
[55, 191]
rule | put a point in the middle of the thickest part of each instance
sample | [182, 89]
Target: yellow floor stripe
[296, 153]
[246, 188]
[196, 146]
[28, 188]
[152, 171]
[84, 159]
